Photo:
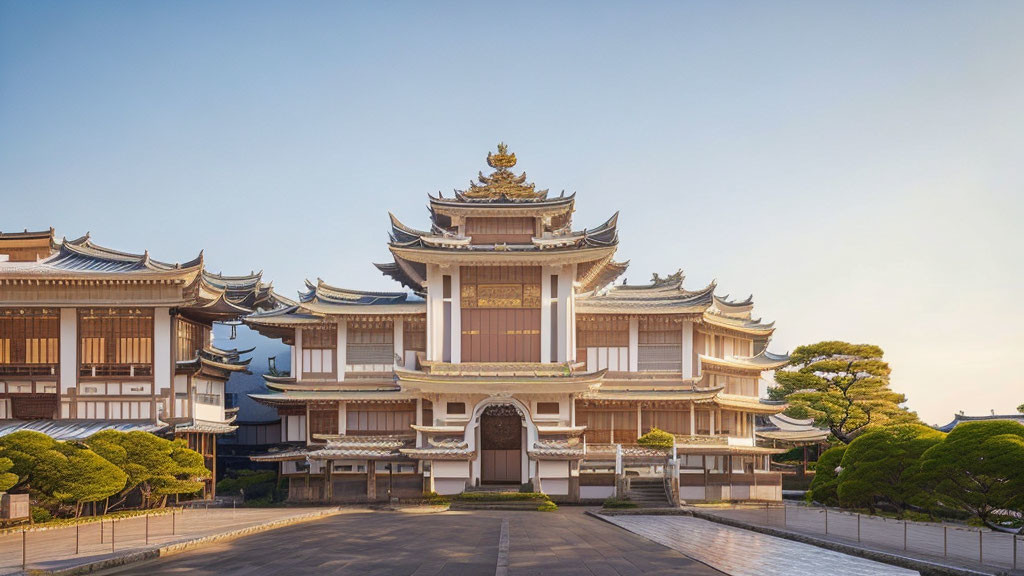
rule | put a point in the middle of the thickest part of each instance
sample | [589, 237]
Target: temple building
[517, 359]
[92, 339]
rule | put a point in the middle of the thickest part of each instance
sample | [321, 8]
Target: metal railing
[940, 540]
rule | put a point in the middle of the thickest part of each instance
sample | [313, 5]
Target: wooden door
[501, 436]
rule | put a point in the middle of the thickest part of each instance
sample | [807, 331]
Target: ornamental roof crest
[502, 184]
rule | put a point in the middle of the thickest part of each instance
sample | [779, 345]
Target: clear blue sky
[857, 166]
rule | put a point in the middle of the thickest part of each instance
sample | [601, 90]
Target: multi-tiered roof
[37, 259]
[503, 194]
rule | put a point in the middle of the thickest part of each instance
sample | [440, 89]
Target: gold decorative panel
[531, 296]
[499, 296]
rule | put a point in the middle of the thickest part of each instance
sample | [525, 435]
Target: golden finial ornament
[502, 160]
[502, 183]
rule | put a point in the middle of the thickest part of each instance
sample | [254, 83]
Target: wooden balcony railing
[115, 370]
[28, 369]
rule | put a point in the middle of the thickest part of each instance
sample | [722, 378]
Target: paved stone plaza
[744, 553]
[566, 542]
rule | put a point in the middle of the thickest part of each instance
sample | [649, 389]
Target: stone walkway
[742, 553]
[51, 549]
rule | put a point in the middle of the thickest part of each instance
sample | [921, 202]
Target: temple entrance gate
[501, 444]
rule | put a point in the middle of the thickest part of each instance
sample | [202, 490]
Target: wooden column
[371, 480]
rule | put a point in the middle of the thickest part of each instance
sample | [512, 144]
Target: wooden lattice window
[319, 347]
[605, 425]
[379, 419]
[29, 341]
[660, 343]
[323, 421]
[513, 230]
[371, 342]
[601, 331]
[191, 337]
[414, 334]
[115, 342]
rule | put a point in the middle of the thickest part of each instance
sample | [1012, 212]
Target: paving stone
[743, 553]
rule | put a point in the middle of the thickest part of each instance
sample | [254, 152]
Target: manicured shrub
[979, 469]
[883, 467]
[657, 438]
[256, 484]
[40, 514]
[826, 478]
[501, 496]
[547, 506]
[435, 499]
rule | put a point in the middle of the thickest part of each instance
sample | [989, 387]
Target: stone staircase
[648, 492]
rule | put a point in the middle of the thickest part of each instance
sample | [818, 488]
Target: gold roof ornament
[502, 183]
[502, 159]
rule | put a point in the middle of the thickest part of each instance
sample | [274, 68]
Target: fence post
[24, 549]
[981, 548]
[945, 540]
[826, 521]
[1014, 551]
[147, 529]
[172, 522]
[101, 530]
[785, 519]
[858, 527]
[112, 522]
[904, 535]
[76, 538]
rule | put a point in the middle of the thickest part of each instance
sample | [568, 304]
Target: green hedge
[501, 496]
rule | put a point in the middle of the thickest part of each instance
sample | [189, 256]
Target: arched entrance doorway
[501, 445]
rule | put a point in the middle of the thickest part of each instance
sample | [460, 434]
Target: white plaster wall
[555, 486]
[447, 486]
[596, 492]
[68, 349]
[162, 355]
[566, 314]
[450, 469]
[399, 340]
[552, 469]
[342, 348]
[634, 344]
[297, 357]
[688, 349]
[435, 313]
[293, 428]
[456, 327]
[691, 493]
[545, 314]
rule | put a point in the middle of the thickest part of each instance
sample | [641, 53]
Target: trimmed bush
[548, 506]
[40, 514]
[501, 496]
[435, 499]
[657, 438]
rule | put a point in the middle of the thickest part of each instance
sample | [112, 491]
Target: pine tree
[841, 385]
